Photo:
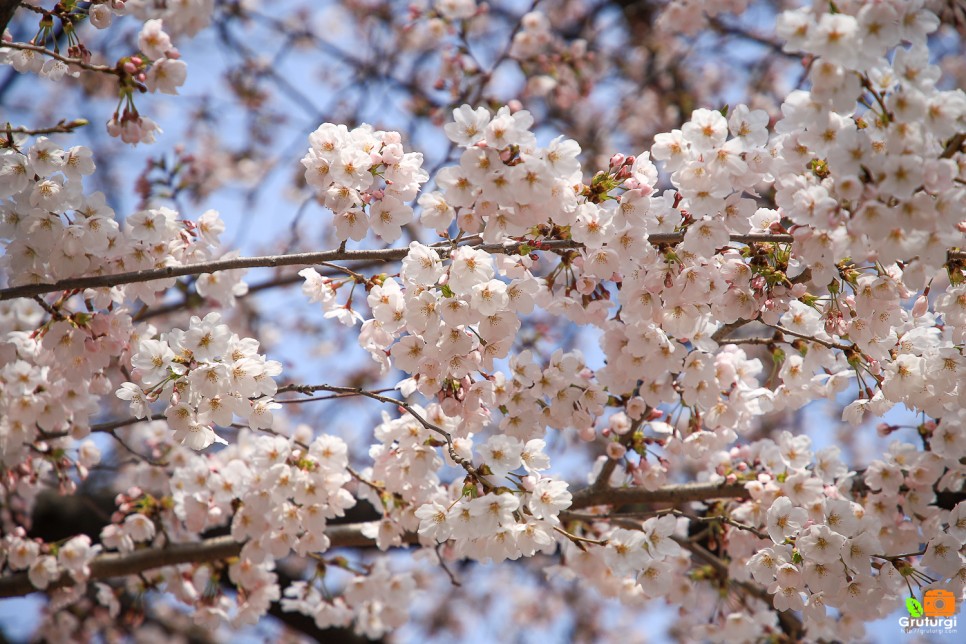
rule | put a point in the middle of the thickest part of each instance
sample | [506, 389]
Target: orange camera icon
[938, 603]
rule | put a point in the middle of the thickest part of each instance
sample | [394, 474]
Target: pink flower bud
[635, 407]
[451, 407]
[920, 307]
[615, 451]
[586, 285]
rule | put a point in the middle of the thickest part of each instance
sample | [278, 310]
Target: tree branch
[683, 493]
[789, 622]
[270, 261]
[104, 69]
[320, 257]
[345, 536]
[7, 9]
[213, 549]
[63, 127]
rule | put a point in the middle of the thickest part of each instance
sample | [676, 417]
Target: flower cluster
[365, 178]
[55, 369]
[376, 601]
[825, 542]
[50, 229]
[484, 520]
[187, 17]
[46, 562]
[277, 495]
[156, 68]
[207, 375]
[168, 71]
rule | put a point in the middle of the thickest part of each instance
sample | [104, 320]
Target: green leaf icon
[914, 607]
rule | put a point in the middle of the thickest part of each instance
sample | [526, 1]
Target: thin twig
[607, 469]
[577, 539]
[104, 69]
[824, 343]
[442, 564]
[136, 454]
[63, 127]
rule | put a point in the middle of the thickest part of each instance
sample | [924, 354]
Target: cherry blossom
[600, 365]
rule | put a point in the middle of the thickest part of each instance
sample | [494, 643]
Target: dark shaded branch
[7, 9]
[213, 549]
[346, 536]
[320, 257]
[791, 625]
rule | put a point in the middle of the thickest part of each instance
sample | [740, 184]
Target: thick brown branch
[270, 261]
[217, 548]
[321, 257]
[683, 493]
[789, 622]
[309, 259]
[347, 536]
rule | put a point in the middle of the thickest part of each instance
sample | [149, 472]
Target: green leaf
[914, 607]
